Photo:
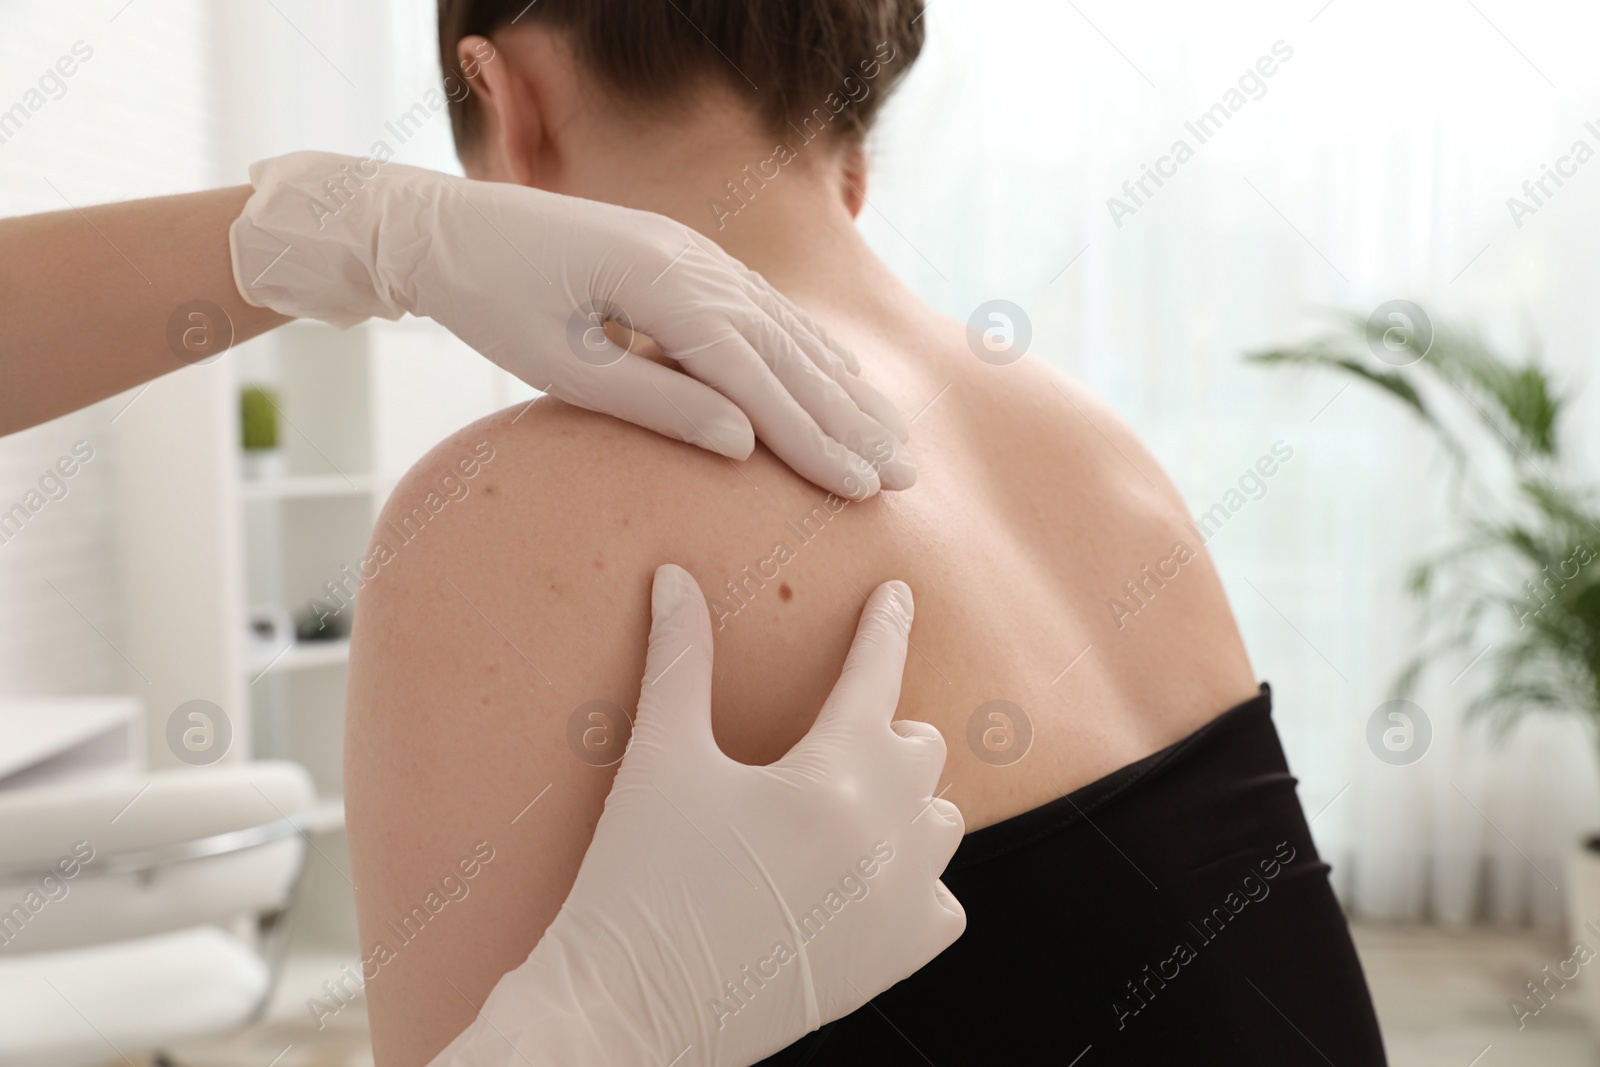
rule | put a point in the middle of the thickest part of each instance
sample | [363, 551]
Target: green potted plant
[1523, 577]
[262, 456]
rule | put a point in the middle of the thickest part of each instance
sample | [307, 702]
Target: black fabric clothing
[1174, 911]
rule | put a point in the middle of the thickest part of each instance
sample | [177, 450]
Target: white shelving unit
[298, 530]
[358, 407]
[305, 486]
[299, 656]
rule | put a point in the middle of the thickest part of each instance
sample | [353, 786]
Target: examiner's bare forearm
[90, 299]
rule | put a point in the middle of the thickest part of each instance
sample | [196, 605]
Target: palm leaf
[1521, 584]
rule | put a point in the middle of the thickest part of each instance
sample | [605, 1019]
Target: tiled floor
[1441, 1000]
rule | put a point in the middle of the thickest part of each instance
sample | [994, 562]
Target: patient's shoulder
[546, 446]
[558, 465]
[545, 482]
[584, 498]
[537, 528]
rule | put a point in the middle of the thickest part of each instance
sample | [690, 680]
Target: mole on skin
[784, 592]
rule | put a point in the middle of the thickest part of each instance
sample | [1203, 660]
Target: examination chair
[118, 898]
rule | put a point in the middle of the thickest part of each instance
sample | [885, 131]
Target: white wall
[134, 120]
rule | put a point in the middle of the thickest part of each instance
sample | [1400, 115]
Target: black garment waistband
[1033, 825]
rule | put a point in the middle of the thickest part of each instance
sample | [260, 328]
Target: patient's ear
[516, 145]
[854, 177]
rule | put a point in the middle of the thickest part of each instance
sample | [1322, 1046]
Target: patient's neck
[790, 221]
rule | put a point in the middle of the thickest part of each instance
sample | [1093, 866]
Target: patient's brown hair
[787, 56]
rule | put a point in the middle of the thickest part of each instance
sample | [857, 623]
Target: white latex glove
[527, 278]
[724, 911]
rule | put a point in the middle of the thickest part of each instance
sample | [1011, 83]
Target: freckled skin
[1033, 506]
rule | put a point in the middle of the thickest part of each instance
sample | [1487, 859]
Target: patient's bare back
[498, 654]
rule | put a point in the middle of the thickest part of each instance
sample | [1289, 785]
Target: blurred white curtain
[1375, 165]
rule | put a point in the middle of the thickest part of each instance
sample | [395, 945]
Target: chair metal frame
[277, 922]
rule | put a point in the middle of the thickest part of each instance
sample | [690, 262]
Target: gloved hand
[724, 911]
[528, 278]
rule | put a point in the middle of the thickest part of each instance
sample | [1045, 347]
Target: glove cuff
[307, 242]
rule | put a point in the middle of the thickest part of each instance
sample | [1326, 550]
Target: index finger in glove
[729, 364]
[770, 300]
[868, 690]
[729, 341]
[830, 357]
[838, 411]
